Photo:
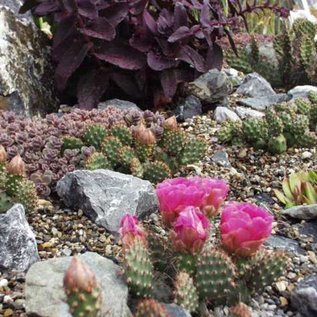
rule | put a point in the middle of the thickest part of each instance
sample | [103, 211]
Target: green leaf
[310, 195]
[287, 189]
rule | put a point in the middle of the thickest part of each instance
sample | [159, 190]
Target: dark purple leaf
[205, 14]
[159, 62]
[115, 13]
[149, 21]
[28, 5]
[142, 40]
[70, 61]
[47, 7]
[169, 82]
[180, 34]
[214, 57]
[165, 22]
[231, 41]
[193, 58]
[128, 83]
[137, 6]
[180, 16]
[100, 28]
[91, 87]
[87, 8]
[121, 55]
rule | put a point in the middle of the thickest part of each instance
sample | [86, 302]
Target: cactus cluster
[14, 187]
[140, 150]
[296, 55]
[289, 124]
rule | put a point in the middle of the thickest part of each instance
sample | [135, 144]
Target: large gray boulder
[254, 85]
[211, 87]
[262, 102]
[118, 103]
[18, 248]
[304, 296]
[26, 81]
[301, 91]
[105, 196]
[45, 295]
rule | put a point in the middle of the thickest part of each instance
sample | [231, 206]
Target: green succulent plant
[298, 189]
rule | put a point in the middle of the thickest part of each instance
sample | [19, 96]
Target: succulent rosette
[176, 194]
[190, 231]
[244, 228]
[130, 229]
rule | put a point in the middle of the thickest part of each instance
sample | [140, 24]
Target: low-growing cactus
[82, 290]
[288, 124]
[94, 135]
[97, 160]
[150, 308]
[14, 187]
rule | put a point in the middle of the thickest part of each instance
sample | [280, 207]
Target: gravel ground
[251, 174]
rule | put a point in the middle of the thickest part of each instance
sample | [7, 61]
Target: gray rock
[221, 158]
[285, 244]
[244, 112]
[45, 296]
[26, 73]
[309, 228]
[261, 103]
[222, 114]
[254, 85]
[18, 248]
[174, 310]
[304, 296]
[212, 87]
[105, 196]
[304, 212]
[118, 103]
[189, 108]
[301, 91]
[234, 76]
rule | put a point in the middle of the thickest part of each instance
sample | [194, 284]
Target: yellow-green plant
[299, 189]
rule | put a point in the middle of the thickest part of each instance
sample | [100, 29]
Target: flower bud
[130, 229]
[190, 231]
[16, 166]
[144, 135]
[170, 123]
[3, 155]
[79, 277]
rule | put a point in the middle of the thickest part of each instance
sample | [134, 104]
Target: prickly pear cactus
[193, 151]
[150, 308]
[123, 133]
[26, 195]
[215, 276]
[5, 202]
[110, 148]
[70, 142]
[126, 154]
[268, 267]
[303, 106]
[138, 268]
[185, 292]
[173, 141]
[96, 161]
[277, 145]
[156, 171]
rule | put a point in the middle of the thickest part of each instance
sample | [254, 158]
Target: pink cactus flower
[216, 191]
[244, 228]
[130, 229]
[176, 194]
[190, 231]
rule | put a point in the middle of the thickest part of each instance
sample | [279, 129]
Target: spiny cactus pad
[96, 161]
[215, 275]
[185, 292]
[150, 308]
[156, 171]
[94, 135]
[138, 268]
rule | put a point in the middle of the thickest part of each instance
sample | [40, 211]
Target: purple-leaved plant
[144, 49]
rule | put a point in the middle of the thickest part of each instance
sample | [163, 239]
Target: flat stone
[174, 310]
[285, 244]
[211, 87]
[26, 71]
[304, 296]
[261, 103]
[301, 91]
[18, 248]
[105, 196]
[244, 112]
[221, 158]
[222, 114]
[118, 103]
[45, 295]
[254, 85]
[189, 108]
[234, 76]
[304, 212]
[309, 228]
